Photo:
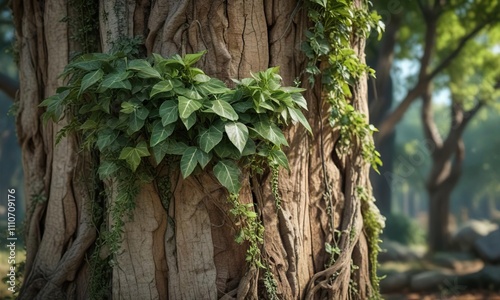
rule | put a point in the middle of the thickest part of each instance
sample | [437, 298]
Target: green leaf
[300, 100]
[137, 119]
[89, 124]
[105, 138]
[270, 131]
[86, 65]
[249, 149]
[143, 68]
[297, 115]
[161, 87]
[54, 106]
[212, 87]
[116, 81]
[224, 109]
[279, 157]
[160, 133]
[201, 78]
[169, 112]
[106, 169]
[188, 161]
[168, 147]
[209, 138]
[190, 121]
[203, 158]
[188, 93]
[243, 106]
[133, 155]
[128, 107]
[190, 59]
[226, 149]
[89, 79]
[188, 106]
[238, 134]
[228, 173]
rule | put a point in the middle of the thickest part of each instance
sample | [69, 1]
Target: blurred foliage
[401, 229]
[472, 76]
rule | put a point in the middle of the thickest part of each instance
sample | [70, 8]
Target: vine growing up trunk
[307, 232]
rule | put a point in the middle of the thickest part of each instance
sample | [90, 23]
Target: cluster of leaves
[140, 113]
[328, 47]
[131, 109]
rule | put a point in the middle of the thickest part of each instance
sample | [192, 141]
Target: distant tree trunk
[189, 252]
[447, 158]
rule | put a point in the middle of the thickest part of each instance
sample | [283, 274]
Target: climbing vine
[141, 114]
[332, 58]
[374, 225]
[328, 47]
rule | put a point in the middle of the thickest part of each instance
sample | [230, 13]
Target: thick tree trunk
[189, 252]
[439, 202]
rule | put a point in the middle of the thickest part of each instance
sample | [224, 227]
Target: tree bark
[189, 252]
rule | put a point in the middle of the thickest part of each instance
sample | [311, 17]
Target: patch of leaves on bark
[142, 113]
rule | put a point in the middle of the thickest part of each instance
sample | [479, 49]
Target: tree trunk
[439, 202]
[189, 252]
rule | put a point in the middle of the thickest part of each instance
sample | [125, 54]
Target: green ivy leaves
[228, 173]
[132, 155]
[329, 40]
[237, 133]
[138, 108]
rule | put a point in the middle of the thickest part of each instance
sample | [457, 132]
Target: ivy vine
[332, 58]
[142, 113]
[330, 53]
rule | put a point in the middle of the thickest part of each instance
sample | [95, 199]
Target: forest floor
[443, 296]
[448, 290]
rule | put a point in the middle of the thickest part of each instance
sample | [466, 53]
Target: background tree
[473, 79]
[414, 38]
[319, 244]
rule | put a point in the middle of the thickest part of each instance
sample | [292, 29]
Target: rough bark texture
[197, 257]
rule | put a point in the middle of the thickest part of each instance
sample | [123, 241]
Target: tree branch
[430, 129]
[456, 131]
[447, 60]
[456, 169]
[8, 85]
[387, 126]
